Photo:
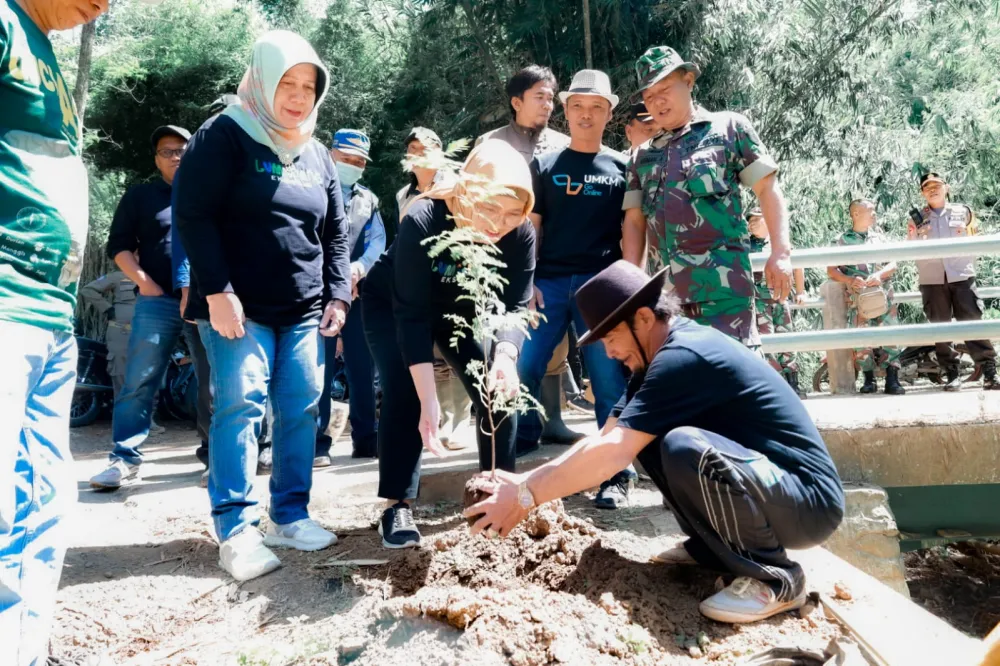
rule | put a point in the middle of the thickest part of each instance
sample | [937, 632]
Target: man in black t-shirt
[578, 218]
[724, 438]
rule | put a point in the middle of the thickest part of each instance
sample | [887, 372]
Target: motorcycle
[914, 363]
[94, 392]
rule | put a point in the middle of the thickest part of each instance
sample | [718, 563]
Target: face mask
[349, 174]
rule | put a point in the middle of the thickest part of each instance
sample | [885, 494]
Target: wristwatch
[524, 497]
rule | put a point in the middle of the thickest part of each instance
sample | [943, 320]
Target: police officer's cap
[931, 177]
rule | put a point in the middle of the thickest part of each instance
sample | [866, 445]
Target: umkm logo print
[572, 189]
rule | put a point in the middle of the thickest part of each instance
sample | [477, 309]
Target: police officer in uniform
[350, 153]
[948, 286]
[857, 277]
[774, 316]
[118, 309]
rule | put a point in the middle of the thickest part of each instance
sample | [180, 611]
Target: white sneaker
[305, 534]
[245, 556]
[155, 428]
[119, 473]
[747, 600]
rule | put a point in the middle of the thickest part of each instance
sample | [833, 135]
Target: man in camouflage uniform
[774, 316]
[687, 180]
[857, 277]
[118, 310]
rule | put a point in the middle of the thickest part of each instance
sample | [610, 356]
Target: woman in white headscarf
[259, 210]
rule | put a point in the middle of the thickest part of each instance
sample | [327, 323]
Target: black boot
[869, 385]
[990, 380]
[793, 380]
[554, 431]
[953, 379]
[892, 385]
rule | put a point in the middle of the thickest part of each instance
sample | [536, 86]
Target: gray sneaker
[118, 474]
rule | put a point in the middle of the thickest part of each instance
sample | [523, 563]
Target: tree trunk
[83, 69]
[586, 35]
[484, 48]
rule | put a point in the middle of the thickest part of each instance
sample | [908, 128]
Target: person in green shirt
[43, 226]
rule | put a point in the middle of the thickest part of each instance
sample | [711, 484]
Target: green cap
[658, 63]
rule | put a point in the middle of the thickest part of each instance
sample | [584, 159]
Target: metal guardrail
[821, 257]
[903, 297]
[885, 336]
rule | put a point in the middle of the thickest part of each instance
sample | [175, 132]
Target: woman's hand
[430, 418]
[536, 303]
[226, 315]
[334, 317]
[503, 376]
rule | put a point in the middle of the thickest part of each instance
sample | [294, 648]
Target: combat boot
[869, 385]
[892, 385]
[990, 380]
[793, 380]
[953, 379]
[555, 431]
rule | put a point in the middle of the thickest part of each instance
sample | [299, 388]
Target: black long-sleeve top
[275, 236]
[422, 289]
[142, 222]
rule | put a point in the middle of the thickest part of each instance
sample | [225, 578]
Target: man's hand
[503, 376]
[430, 419]
[800, 298]
[225, 311]
[857, 284]
[874, 280]
[501, 511]
[536, 303]
[334, 317]
[340, 347]
[778, 273]
[357, 274]
[147, 287]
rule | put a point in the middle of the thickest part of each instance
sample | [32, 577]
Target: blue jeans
[287, 362]
[37, 484]
[156, 327]
[607, 376]
[361, 384]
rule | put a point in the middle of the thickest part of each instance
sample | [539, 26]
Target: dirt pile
[558, 591]
[959, 583]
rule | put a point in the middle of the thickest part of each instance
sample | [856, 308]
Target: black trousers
[203, 372]
[740, 510]
[399, 443]
[958, 300]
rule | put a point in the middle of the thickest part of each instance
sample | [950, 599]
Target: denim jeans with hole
[287, 362]
[607, 376]
[37, 484]
[156, 327]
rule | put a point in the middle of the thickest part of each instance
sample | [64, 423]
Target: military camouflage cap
[658, 63]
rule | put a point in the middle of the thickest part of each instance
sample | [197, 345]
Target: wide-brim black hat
[611, 296]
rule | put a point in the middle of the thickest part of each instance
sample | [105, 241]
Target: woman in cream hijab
[407, 296]
[259, 210]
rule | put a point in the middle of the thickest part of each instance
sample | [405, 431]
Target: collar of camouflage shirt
[701, 115]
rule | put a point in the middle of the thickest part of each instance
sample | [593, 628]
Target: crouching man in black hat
[723, 436]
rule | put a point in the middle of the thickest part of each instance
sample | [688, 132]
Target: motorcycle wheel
[84, 409]
[821, 379]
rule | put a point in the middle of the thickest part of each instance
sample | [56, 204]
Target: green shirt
[43, 183]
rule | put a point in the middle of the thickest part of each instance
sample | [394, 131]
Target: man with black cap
[142, 225]
[948, 286]
[723, 437]
[640, 127]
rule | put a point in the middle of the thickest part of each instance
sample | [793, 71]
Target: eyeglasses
[170, 153]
